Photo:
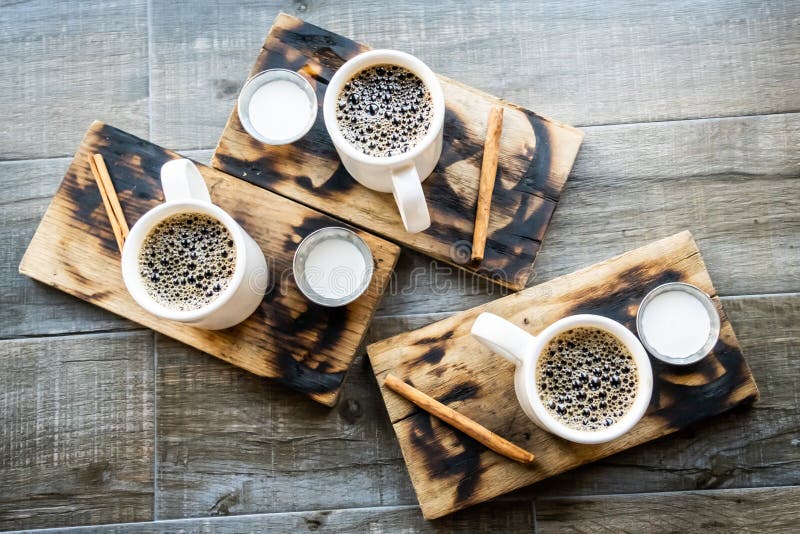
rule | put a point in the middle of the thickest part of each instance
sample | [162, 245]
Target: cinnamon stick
[463, 423]
[113, 208]
[491, 151]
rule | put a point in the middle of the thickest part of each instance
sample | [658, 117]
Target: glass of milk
[332, 266]
[277, 106]
[678, 323]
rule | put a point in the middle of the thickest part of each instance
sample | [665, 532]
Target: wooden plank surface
[230, 461]
[536, 155]
[586, 62]
[506, 517]
[752, 446]
[733, 182]
[229, 443]
[450, 472]
[65, 64]
[76, 430]
[27, 307]
[306, 347]
[773, 510]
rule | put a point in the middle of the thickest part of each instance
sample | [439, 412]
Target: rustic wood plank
[733, 182]
[505, 517]
[230, 442]
[66, 63]
[585, 62]
[536, 155]
[752, 446]
[748, 239]
[27, 307]
[741, 510]
[304, 346]
[76, 430]
[451, 472]
[231, 452]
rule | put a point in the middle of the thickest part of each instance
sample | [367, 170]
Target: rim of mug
[644, 387]
[130, 259]
[368, 59]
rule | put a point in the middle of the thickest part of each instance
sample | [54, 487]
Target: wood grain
[535, 159]
[720, 178]
[231, 443]
[451, 472]
[306, 347]
[742, 510]
[584, 62]
[507, 517]
[745, 447]
[66, 63]
[27, 307]
[746, 236]
[76, 430]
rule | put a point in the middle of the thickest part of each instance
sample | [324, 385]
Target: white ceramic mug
[523, 350]
[401, 174]
[186, 192]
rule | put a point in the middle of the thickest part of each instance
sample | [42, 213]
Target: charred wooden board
[307, 347]
[536, 155]
[451, 471]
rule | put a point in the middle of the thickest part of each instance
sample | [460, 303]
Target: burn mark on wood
[332, 49]
[460, 392]
[293, 170]
[441, 463]
[436, 351]
[442, 473]
[306, 347]
[435, 339]
[619, 298]
[682, 405]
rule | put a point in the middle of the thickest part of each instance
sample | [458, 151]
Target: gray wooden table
[692, 119]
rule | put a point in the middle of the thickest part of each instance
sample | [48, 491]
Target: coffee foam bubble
[586, 378]
[187, 261]
[384, 110]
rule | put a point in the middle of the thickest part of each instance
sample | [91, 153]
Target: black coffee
[384, 110]
[187, 261]
[586, 378]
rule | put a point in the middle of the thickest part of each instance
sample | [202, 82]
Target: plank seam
[155, 425]
[149, 69]
[439, 315]
[586, 126]
[86, 333]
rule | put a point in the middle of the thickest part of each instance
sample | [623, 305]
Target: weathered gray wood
[505, 517]
[27, 307]
[759, 510]
[65, 64]
[735, 183]
[231, 443]
[76, 430]
[450, 472]
[583, 63]
[199, 61]
[755, 446]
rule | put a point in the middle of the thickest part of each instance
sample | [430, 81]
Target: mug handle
[181, 181]
[503, 337]
[407, 191]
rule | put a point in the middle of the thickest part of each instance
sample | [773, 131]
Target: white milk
[335, 268]
[676, 324]
[279, 110]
